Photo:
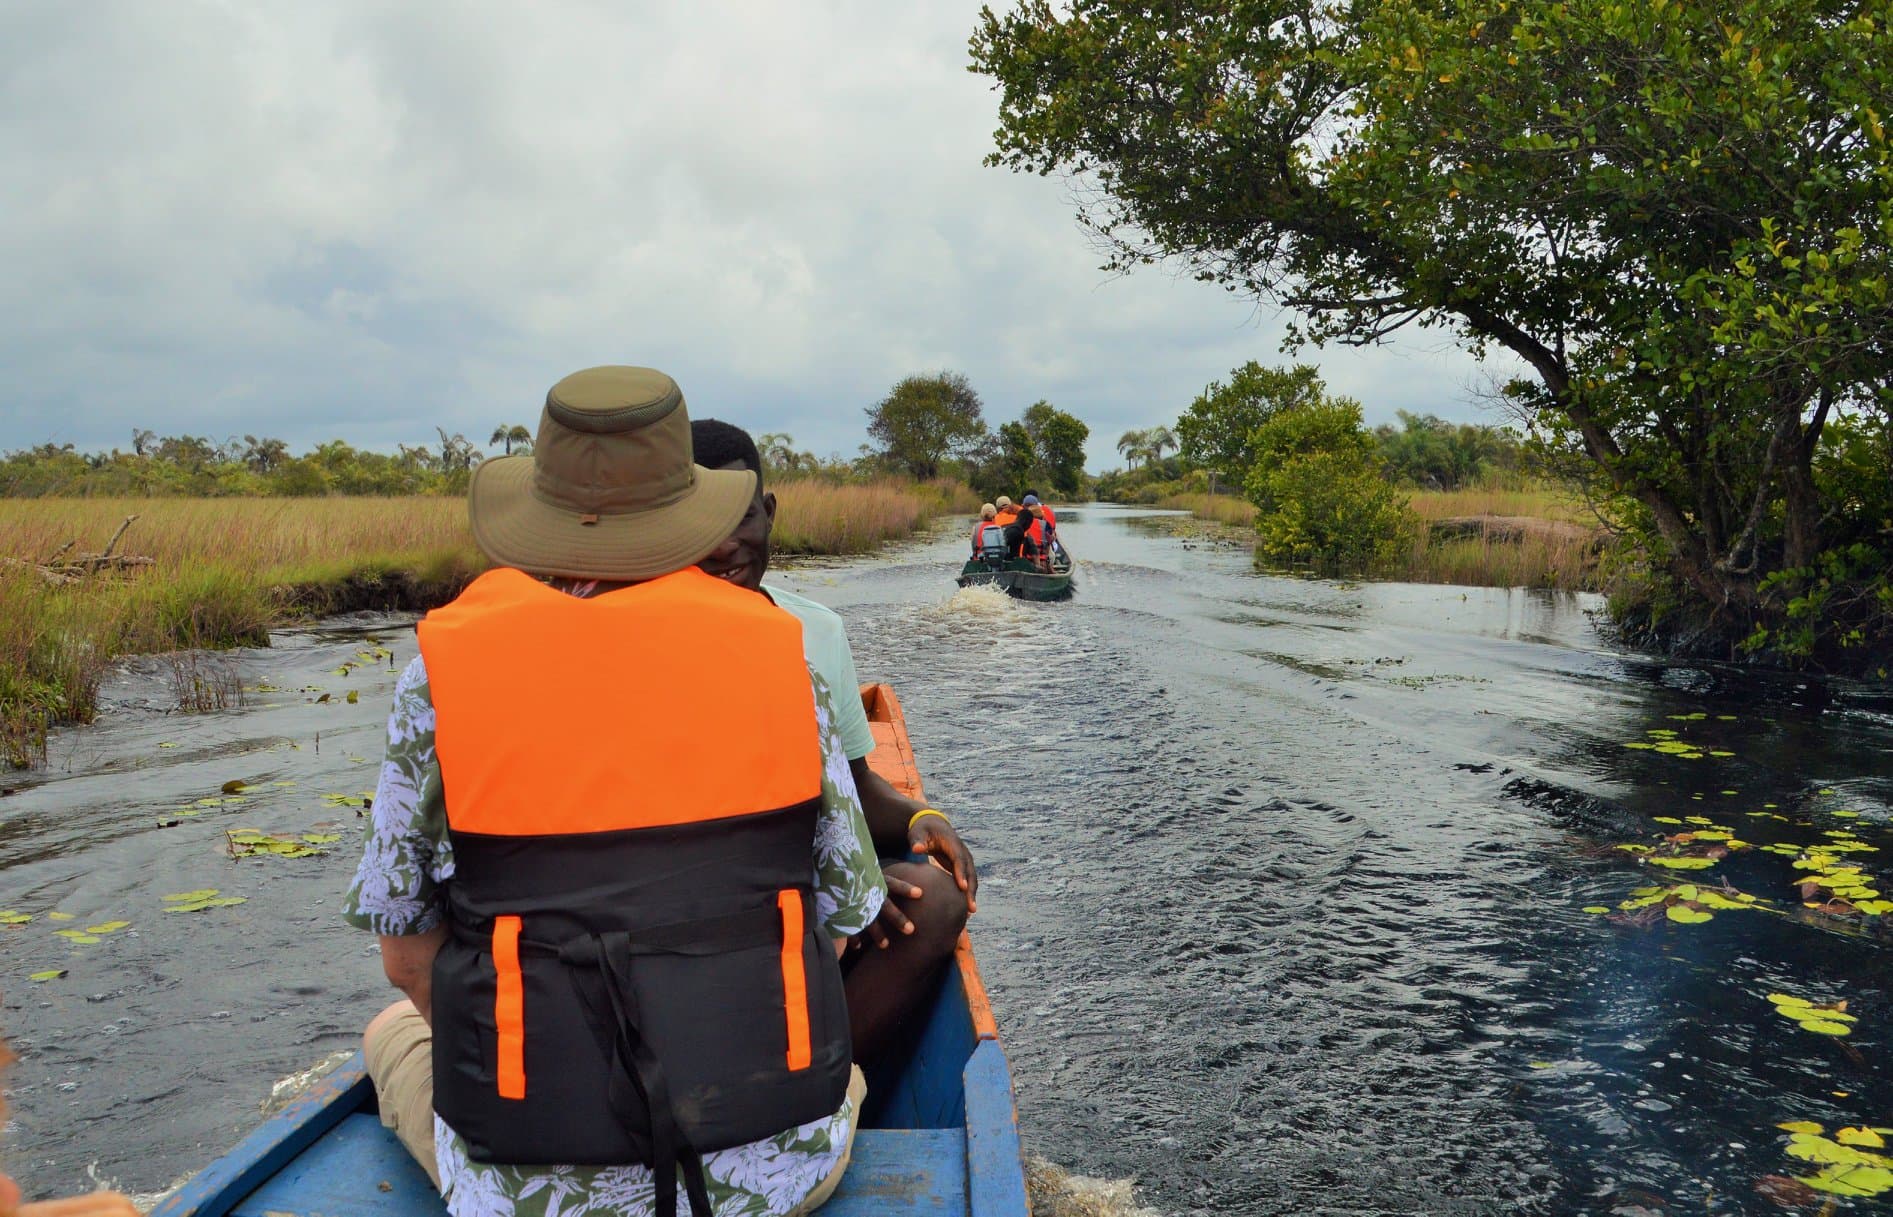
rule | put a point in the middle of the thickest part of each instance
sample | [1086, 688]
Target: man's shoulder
[812, 613]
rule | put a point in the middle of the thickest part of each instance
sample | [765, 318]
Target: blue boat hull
[940, 1135]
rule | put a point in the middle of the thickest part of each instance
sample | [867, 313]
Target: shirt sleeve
[849, 886]
[407, 855]
[851, 718]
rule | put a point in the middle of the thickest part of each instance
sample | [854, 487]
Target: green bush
[1323, 505]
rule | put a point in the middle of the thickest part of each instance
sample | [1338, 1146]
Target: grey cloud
[363, 220]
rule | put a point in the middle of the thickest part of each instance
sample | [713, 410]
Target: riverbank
[224, 572]
[1477, 538]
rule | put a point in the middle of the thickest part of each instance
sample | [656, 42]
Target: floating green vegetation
[1694, 849]
[1697, 717]
[199, 900]
[248, 842]
[78, 938]
[49, 974]
[1685, 903]
[1831, 1019]
[1849, 1167]
[1834, 888]
[13, 917]
[56, 915]
[360, 802]
[108, 927]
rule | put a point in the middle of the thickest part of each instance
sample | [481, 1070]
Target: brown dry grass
[1540, 537]
[228, 570]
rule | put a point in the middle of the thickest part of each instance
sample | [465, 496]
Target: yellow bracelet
[928, 811]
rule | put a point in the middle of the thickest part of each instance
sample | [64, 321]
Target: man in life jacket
[888, 975]
[1025, 538]
[1045, 512]
[1004, 511]
[986, 513]
[593, 864]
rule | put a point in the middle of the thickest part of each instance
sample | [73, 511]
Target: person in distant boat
[1025, 537]
[888, 974]
[1004, 512]
[986, 513]
[1045, 512]
[91, 1204]
[590, 828]
[1047, 537]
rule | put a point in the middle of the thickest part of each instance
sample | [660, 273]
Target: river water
[1282, 904]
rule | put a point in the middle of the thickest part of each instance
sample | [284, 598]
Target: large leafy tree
[1218, 430]
[925, 420]
[1058, 439]
[1676, 213]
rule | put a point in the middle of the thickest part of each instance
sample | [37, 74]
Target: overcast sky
[363, 220]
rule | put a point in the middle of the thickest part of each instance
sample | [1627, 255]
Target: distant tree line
[934, 425]
[250, 465]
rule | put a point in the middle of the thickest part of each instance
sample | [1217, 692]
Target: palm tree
[510, 434]
[1159, 438]
[777, 450]
[1132, 444]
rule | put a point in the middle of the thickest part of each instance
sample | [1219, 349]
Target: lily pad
[1597, 908]
[58, 916]
[1866, 1180]
[49, 974]
[1687, 915]
[108, 927]
[1682, 863]
[13, 917]
[235, 786]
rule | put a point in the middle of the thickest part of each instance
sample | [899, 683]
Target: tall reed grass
[227, 571]
[816, 517]
[1223, 508]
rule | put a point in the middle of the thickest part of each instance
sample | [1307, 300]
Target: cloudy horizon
[362, 222]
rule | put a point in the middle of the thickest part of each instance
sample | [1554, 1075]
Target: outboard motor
[992, 543]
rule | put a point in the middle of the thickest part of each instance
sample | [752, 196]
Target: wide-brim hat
[610, 490]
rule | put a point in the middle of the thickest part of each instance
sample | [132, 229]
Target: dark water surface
[1281, 907]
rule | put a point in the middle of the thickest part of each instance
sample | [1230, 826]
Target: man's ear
[769, 505]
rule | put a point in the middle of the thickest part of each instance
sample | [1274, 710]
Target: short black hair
[1029, 493]
[718, 443]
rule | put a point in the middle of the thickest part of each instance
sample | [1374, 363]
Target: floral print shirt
[397, 891]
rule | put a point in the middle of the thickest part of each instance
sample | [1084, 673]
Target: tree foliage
[1217, 431]
[1058, 443]
[1432, 453]
[1323, 504]
[1677, 214]
[925, 420]
[252, 465]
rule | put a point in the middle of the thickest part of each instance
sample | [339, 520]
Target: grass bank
[1537, 537]
[224, 572]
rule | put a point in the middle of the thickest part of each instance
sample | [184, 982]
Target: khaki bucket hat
[610, 490]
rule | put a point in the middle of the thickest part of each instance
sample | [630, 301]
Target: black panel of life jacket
[652, 968]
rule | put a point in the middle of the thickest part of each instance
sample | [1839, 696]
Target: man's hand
[892, 921]
[934, 837]
[408, 959]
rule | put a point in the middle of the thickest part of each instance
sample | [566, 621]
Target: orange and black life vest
[635, 972]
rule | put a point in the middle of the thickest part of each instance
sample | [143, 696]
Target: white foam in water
[1055, 1192]
[293, 1085]
[982, 599]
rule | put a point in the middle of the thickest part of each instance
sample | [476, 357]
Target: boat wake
[1055, 1192]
